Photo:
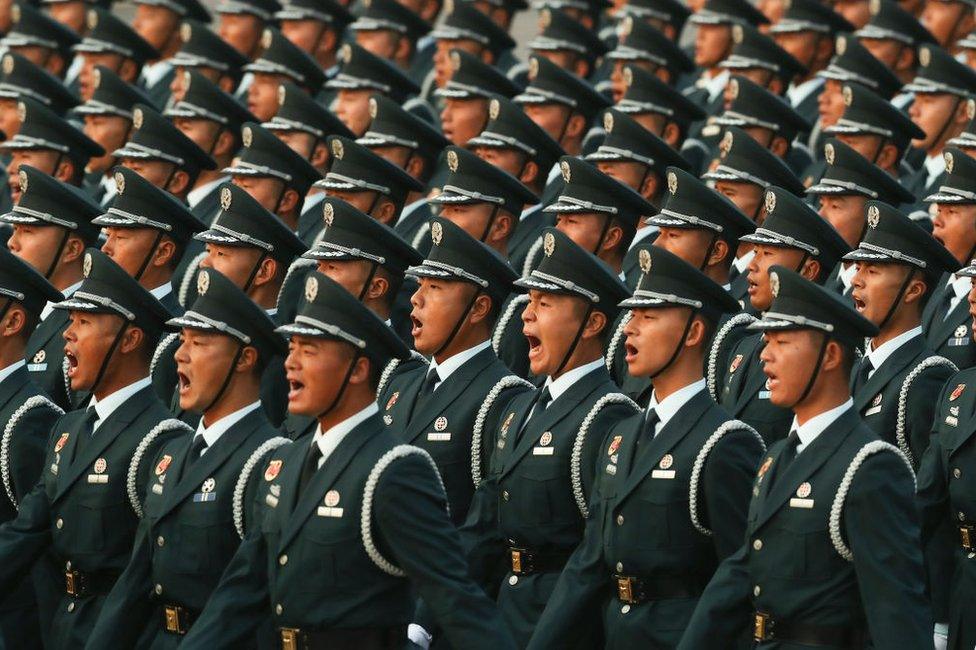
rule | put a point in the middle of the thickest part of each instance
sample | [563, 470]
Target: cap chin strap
[149, 256]
[708, 252]
[575, 343]
[216, 139]
[603, 235]
[813, 55]
[108, 357]
[6, 308]
[172, 173]
[677, 348]
[565, 126]
[281, 197]
[803, 260]
[459, 323]
[373, 204]
[948, 122]
[816, 371]
[254, 272]
[57, 254]
[373, 266]
[898, 297]
[227, 378]
[877, 152]
[491, 222]
[342, 388]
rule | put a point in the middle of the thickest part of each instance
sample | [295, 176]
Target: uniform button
[278, 609]
[59, 523]
[505, 495]
[160, 541]
[71, 607]
[67, 565]
[971, 555]
[962, 516]
[158, 589]
[757, 545]
[625, 609]
[956, 472]
[283, 560]
[620, 567]
[620, 520]
[755, 491]
[513, 580]
[756, 590]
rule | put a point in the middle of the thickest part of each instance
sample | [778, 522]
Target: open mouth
[859, 304]
[295, 388]
[72, 362]
[416, 326]
[535, 346]
[184, 382]
[631, 352]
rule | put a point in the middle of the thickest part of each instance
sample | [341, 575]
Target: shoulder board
[241, 486]
[131, 485]
[900, 436]
[739, 320]
[576, 460]
[36, 401]
[837, 507]
[699, 465]
[515, 303]
[366, 522]
[508, 381]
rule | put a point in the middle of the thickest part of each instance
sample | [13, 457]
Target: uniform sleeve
[28, 449]
[883, 534]
[722, 613]
[922, 407]
[933, 503]
[410, 511]
[127, 607]
[729, 473]
[25, 538]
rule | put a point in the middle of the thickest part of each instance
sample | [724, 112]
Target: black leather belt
[768, 628]
[633, 590]
[177, 619]
[80, 584]
[355, 638]
[967, 537]
[526, 561]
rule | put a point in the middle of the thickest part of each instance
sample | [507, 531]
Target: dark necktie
[427, 388]
[196, 449]
[541, 403]
[861, 378]
[650, 426]
[87, 429]
[310, 467]
[789, 454]
[945, 305]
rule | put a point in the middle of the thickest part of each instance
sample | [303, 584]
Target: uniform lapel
[754, 382]
[931, 311]
[893, 365]
[941, 330]
[429, 409]
[327, 475]
[43, 333]
[12, 385]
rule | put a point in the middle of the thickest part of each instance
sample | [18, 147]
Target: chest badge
[100, 466]
[960, 332]
[163, 464]
[664, 465]
[387, 419]
[614, 445]
[393, 400]
[40, 356]
[206, 492]
[956, 392]
[99, 477]
[804, 490]
[765, 466]
[332, 498]
[735, 363]
[329, 509]
[802, 499]
[62, 441]
[877, 400]
[440, 423]
[272, 470]
[666, 461]
[208, 486]
[546, 438]
[508, 422]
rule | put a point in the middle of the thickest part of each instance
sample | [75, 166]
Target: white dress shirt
[197, 194]
[880, 355]
[670, 405]
[797, 93]
[809, 430]
[452, 363]
[162, 290]
[9, 370]
[934, 165]
[715, 85]
[107, 406]
[329, 440]
[212, 433]
[960, 287]
[559, 386]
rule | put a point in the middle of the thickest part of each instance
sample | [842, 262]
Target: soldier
[160, 153]
[30, 417]
[108, 121]
[40, 38]
[194, 516]
[390, 30]
[48, 143]
[18, 78]
[110, 42]
[643, 46]
[852, 492]
[795, 237]
[205, 52]
[82, 509]
[158, 23]
[849, 182]
[683, 444]
[948, 21]
[758, 58]
[280, 61]
[462, 286]
[241, 24]
[530, 507]
[415, 146]
[317, 492]
[946, 317]
[467, 95]
[212, 119]
[315, 27]
[566, 42]
[51, 228]
[893, 36]
[361, 74]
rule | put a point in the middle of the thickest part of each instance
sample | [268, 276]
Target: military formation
[381, 324]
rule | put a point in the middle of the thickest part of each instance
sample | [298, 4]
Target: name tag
[439, 437]
[954, 342]
[271, 501]
[543, 451]
[950, 420]
[611, 469]
[157, 488]
[37, 367]
[764, 394]
[801, 503]
[663, 473]
[203, 497]
[99, 479]
[874, 410]
[326, 511]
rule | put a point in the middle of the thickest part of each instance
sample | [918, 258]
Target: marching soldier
[436, 407]
[112, 43]
[51, 228]
[531, 507]
[311, 558]
[893, 36]
[467, 95]
[29, 416]
[82, 510]
[566, 42]
[194, 511]
[795, 237]
[642, 46]
[315, 27]
[19, 77]
[36, 35]
[279, 61]
[760, 59]
[208, 54]
[389, 30]
[832, 555]
[241, 24]
[659, 561]
[896, 382]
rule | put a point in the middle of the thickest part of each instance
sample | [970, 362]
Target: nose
[291, 361]
[630, 329]
[181, 355]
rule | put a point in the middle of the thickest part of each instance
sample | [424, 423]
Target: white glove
[422, 637]
[941, 636]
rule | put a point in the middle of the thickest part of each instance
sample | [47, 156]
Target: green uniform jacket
[949, 336]
[642, 523]
[947, 501]
[442, 423]
[45, 358]
[790, 565]
[308, 558]
[185, 540]
[83, 516]
[745, 396]
[534, 495]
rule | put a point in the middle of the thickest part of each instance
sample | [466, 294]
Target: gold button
[620, 567]
[160, 541]
[756, 590]
[283, 560]
[956, 472]
[158, 589]
[620, 520]
[757, 545]
[71, 607]
[505, 495]
[278, 609]
[513, 580]
[625, 609]
[59, 523]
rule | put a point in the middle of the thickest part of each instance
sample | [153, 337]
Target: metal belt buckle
[291, 638]
[516, 561]
[625, 590]
[967, 541]
[760, 622]
[173, 623]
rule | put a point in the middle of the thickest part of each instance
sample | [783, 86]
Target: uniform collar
[212, 433]
[108, 405]
[797, 93]
[452, 363]
[197, 194]
[816, 425]
[11, 369]
[49, 307]
[742, 263]
[880, 355]
[559, 386]
[162, 290]
[670, 405]
[329, 440]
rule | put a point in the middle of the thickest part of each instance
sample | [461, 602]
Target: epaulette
[900, 437]
[699, 465]
[618, 336]
[36, 401]
[393, 365]
[131, 481]
[241, 486]
[509, 381]
[188, 279]
[506, 317]
[740, 319]
[576, 460]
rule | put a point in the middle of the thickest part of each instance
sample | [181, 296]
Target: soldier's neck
[586, 352]
[684, 371]
[829, 391]
[240, 392]
[466, 338]
[897, 325]
[66, 275]
[123, 370]
[12, 350]
[354, 399]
